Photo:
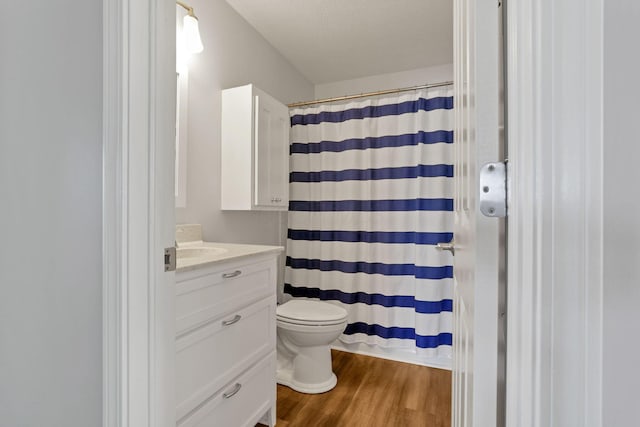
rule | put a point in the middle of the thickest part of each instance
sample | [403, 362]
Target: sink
[199, 252]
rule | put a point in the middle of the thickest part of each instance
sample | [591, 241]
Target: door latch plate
[170, 259]
[493, 190]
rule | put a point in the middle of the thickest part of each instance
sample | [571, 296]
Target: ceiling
[333, 40]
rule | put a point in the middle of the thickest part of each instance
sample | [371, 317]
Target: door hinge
[170, 259]
[493, 189]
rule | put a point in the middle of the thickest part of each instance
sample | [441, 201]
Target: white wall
[621, 215]
[234, 54]
[421, 76]
[50, 214]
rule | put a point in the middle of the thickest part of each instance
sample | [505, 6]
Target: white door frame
[554, 347]
[138, 212]
[555, 283]
[478, 265]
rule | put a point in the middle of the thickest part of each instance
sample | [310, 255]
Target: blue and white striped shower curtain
[371, 194]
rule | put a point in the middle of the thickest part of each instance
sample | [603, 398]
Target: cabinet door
[209, 357]
[272, 152]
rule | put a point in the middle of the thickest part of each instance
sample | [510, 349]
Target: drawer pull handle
[235, 319]
[236, 388]
[230, 275]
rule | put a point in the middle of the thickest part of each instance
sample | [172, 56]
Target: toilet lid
[310, 311]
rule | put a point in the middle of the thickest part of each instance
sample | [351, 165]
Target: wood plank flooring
[371, 392]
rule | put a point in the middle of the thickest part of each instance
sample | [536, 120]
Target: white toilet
[305, 331]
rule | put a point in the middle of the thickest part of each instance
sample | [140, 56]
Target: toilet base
[305, 369]
[285, 377]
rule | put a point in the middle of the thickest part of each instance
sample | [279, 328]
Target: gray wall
[50, 213]
[234, 54]
[621, 213]
[408, 78]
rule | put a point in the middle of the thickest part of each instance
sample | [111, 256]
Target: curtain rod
[364, 95]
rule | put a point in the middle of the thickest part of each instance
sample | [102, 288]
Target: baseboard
[399, 355]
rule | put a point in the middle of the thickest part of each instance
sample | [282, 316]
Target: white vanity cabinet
[255, 150]
[225, 342]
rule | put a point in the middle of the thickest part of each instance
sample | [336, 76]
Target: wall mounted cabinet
[255, 150]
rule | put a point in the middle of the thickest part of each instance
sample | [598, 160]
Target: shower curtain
[371, 194]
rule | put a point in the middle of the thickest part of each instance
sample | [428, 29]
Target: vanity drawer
[211, 355]
[242, 402]
[203, 297]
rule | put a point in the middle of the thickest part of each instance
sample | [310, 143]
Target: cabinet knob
[235, 319]
[236, 388]
[230, 275]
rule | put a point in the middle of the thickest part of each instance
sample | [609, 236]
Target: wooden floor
[371, 392]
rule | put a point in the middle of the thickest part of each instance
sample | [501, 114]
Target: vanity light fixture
[190, 30]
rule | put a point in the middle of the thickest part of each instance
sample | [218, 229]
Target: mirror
[182, 88]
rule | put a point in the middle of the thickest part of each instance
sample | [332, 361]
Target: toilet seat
[310, 313]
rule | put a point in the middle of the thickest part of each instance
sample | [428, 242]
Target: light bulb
[182, 57]
[191, 35]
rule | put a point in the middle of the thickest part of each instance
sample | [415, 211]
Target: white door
[138, 209]
[477, 240]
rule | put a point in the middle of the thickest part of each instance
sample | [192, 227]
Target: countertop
[231, 252]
